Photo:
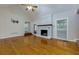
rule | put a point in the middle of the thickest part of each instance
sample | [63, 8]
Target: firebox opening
[44, 32]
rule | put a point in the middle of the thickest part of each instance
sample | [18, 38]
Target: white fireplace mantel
[49, 31]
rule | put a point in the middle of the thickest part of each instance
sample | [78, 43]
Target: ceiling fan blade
[35, 6]
[25, 4]
[33, 9]
[26, 9]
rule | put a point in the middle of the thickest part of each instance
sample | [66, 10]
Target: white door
[61, 28]
[27, 27]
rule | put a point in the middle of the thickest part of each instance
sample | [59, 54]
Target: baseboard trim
[65, 40]
[11, 36]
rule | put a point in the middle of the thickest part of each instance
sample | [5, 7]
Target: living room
[39, 26]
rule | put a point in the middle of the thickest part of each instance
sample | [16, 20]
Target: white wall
[77, 31]
[7, 28]
[73, 28]
[45, 19]
[72, 23]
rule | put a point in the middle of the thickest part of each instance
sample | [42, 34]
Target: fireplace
[44, 32]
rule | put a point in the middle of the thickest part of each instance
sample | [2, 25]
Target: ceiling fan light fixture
[29, 7]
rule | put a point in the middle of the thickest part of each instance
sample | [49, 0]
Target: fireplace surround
[44, 31]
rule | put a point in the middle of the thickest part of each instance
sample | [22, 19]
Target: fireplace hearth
[44, 32]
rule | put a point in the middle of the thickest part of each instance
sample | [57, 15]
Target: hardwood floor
[32, 45]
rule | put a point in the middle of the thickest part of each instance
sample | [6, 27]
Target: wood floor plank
[32, 45]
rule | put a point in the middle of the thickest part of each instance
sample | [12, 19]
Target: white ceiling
[50, 9]
[44, 9]
[54, 8]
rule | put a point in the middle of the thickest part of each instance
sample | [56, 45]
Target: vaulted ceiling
[44, 9]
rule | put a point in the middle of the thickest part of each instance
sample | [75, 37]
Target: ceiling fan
[30, 7]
